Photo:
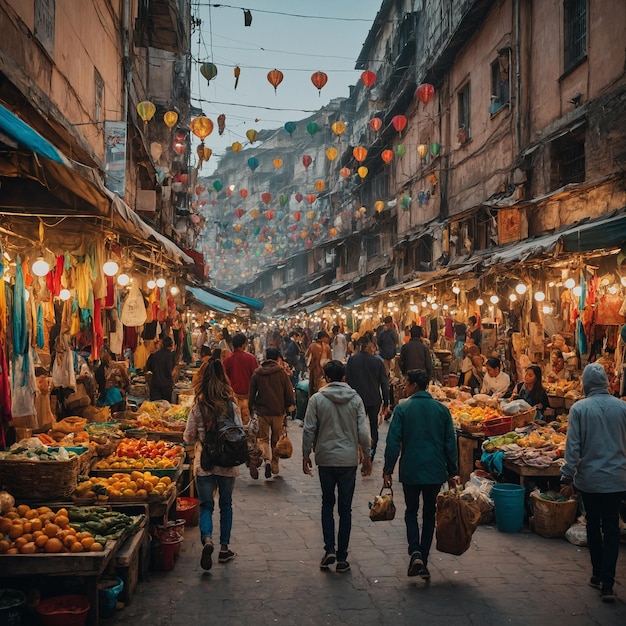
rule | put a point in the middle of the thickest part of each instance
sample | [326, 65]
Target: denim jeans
[206, 485]
[412, 501]
[602, 513]
[344, 479]
[372, 414]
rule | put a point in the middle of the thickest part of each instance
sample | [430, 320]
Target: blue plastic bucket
[108, 591]
[509, 503]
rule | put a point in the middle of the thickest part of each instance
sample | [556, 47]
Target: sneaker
[342, 567]
[225, 556]
[206, 561]
[268, 471]
[415, 564]
[329, 559]
[274, 466]
[423, 573]
[595, 582]
[607, 594]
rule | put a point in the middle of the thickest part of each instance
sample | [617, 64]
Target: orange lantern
[201, 127]
[269, 214]
[297, 215]
[344, 172]
[319, 185]
[204, 154]
[338, 127]
[399, 122]
[359, 153]
[319, 79]
[387, 156]
[243, 193]
[362, 171]
[238, 228]
[304, 234]
[369, 78]
[332, 231]
[331, 153]
[376, 124]
[252, 135]
[379, 205]
[278, 163]
[275, 77]
[170, 118]
[236, 147]
[311, 198]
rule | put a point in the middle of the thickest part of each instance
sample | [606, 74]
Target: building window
[463, 133]
[98, 96]
[568, 159]
[500, 90]
[575, 12]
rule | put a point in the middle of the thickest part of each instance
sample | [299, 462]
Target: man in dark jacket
[365, 373]
[422, 429]
[162, 363]
[415, 355]
[271, 396]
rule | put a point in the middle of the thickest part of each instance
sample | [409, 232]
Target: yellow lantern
[338, 127]
[201, 127]
[170, 118]
[254, 213]
[362, 171]
[310, 215]
[236, 147]
[422, 151]
[252, 135]
[278, 163]
[331, 153]
[146, 111]
[319, 185]
[379, 205]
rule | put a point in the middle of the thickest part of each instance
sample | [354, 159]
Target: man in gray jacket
[595, 465]
[336, 424]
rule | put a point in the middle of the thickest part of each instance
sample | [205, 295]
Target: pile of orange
[132, 485]
[26, 531]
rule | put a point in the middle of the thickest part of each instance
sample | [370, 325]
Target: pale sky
[277, 38]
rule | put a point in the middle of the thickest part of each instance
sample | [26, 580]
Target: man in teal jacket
[422, 428]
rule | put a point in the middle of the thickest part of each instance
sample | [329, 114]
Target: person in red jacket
[271, 396]
[239, 367]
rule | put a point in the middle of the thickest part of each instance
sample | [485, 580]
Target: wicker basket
[552, 519]
[471, 427]
[497, 426]
[40, 480]
[523, 419]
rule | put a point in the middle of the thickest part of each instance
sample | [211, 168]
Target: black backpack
[225, 443]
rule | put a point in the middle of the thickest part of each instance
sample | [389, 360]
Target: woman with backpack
[214, 399]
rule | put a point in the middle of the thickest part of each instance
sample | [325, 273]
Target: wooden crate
[131, 562]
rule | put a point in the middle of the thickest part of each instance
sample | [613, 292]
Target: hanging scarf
[5, 394]
[40, 334]
[20, 324]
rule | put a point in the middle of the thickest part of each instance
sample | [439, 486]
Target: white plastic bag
[577, 534]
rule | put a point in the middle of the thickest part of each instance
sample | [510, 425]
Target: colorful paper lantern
[239, 212]
[278, 163]
[387, 156]
[290, 127]
[331, 153]
[435, 148]
[306, 161]
[266, 197]
[201, 127]
[253, 163]
[237, 227]
[332, 231]
[310, 215]
[319, 79]
[179, 147]
[362, 171]
[312, 128]
[422, 151]
[254, 214]
[338, 127]
[146, 111]
[243, 193]
[319, 185]
[269, 214]
[297, 215]
[405, 202]
[236, 147]
[283, 199]
[399, 122]
[170, 118]
[359, 153]
[221, 123]
[425, 92]
[218, 185]
[379, 206]
[344, 172]
[275, 77]
[311, 198]
[369, 78]
[252, 134]
[299, 197]
[209, 71]
[400, 150]
[376, 124]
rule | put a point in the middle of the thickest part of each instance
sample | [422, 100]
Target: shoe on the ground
[423, 573]
[206, 560]
[415, 564]
[595, 582]
[607, 594]
[274, 466]
[254, 472]
[329, 559]
[268, 471]
[342, 567]
[225, 556]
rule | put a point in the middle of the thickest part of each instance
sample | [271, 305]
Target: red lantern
[399, 122]
[239, 212]
[275, 77]
[319, 79]
[376, 124]
[266, 197]
[179, 148]
[293, 227]
[344, 172]
[387, 156]
[243, 193]
[311, 198]
[359, 153]
[368, 78]
[299, 197]
[425, 92]
[269, 214]
[306, 161]
[297, 215]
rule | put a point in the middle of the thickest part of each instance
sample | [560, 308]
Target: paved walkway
[503, 578]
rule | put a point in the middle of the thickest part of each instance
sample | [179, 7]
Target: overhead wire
[296, 15]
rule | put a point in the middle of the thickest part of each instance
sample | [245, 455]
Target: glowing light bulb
[512, 297]
[540, 296]
[123, 280]
[521, 288]
[551, 283]
[110, 268]
[424, 304]
[434, 306]
[479, 302]
[456, 289]
[612, 290]
[494, 299]
[413, 308]
[151, 284]
[174, 290]
[41, 267]
[445, 307]
[160, 282]
[570, 283]
[65, 294]
[547, 309]
[623, 281]
[577, 290]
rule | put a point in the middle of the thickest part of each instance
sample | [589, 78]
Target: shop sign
[509, 226]
[115, 157]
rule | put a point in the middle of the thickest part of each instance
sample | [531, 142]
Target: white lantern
[494, 299]
[521, 288]
[547, 309]
[577, 290]
[174, 290]
[123, 280]
[160, 282]
[456, 289]
[151, 284]
[41, 267]
[540, 296]
[110, 268]
[570, 283]
[65, 294]
[479, 302]
[513, 297]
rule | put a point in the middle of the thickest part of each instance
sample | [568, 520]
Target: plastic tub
[188, 509]
[169, 548]
[509, 500]
[69, 610]
[108, 591]
[11, 606]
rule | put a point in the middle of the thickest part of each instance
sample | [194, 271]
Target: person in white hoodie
[595, 466]
[336, 424]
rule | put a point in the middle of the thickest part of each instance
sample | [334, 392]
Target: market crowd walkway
[503, 578]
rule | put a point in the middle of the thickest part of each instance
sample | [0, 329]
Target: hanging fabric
[23, 393]
[41, 342]
[20, 326]
[5, 393]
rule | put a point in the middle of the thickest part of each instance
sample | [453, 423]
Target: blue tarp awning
[27, 137]
[251, 303]
[212, 301]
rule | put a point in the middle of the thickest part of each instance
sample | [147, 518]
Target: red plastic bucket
[169, 549]
[188, 509]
